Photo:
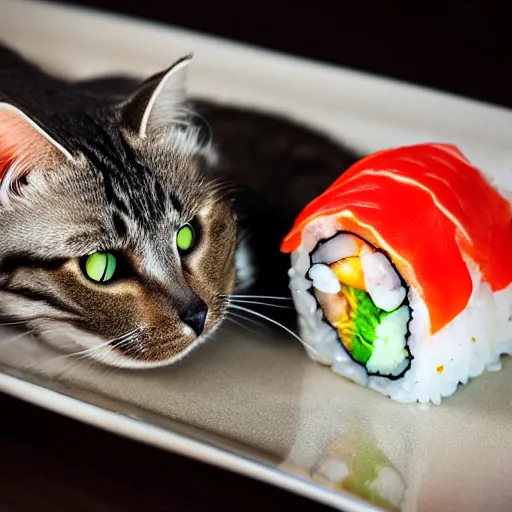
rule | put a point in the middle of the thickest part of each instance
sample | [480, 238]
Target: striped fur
[100, 182]
[121, 192]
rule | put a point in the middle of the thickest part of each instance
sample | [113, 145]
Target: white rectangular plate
[260, 406]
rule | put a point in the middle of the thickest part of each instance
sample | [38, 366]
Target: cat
[131, 213]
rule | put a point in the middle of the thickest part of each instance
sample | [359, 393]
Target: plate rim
[174, 442]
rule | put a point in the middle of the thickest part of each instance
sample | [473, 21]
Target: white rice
[381, 281]
[472, 343]
[324, 279]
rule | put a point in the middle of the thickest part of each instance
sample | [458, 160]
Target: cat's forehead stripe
[144, 197]
[119, 225]
[129, 187]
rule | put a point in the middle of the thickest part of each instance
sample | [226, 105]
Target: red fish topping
[427, 207]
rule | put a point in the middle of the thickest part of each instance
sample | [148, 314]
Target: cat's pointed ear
[158, 103]
[23, 145]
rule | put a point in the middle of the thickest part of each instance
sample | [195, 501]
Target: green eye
[100, 266]
[185, 238]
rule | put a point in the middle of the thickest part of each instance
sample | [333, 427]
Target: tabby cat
[130, 214]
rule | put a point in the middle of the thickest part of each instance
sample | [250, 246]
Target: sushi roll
[401, 273]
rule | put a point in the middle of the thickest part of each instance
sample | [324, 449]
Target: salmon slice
[427, 207]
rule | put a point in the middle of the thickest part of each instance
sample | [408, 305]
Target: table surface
[51, 463]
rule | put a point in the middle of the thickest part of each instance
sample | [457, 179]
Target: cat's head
[114, 242]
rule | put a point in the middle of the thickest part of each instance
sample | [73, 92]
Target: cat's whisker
[243, 301]
[19, 322]
[269, 297]
[72, 364]
[111, 367]
[107, 344]
[236, 322]
[104, 369]
[112, 346]
[14, 338]
[85, 358]
[84, 352]
[7, 315]
[259, 323]
[92, 350]
[275, 322]
[252, 331]
[56, 329]
[132, 342]
[60, 357]
[127, 341]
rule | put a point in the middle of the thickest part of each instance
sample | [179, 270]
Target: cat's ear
[159, 102]
[23, 145]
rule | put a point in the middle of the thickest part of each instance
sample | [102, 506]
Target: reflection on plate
[355, 463]
[257, 404]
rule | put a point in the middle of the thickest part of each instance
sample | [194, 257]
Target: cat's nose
[195, 316]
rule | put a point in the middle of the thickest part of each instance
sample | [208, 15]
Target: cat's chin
[81, 343]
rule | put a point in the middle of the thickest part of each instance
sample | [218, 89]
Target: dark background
[462, 47]
[50, 463]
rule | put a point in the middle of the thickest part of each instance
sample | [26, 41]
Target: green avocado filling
[374, 337]
[365, 318]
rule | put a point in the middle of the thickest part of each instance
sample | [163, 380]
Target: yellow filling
[349, 271]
